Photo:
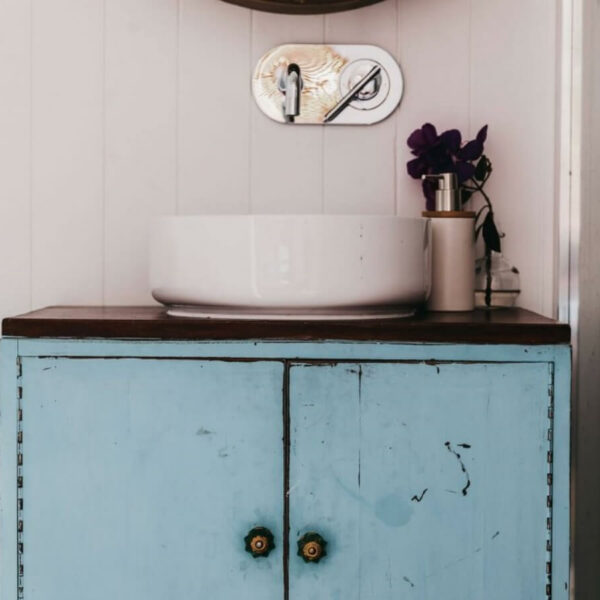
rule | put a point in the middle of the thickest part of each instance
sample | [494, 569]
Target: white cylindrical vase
[453, 260]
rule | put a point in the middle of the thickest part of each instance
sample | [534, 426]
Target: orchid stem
[479, 188]
[480, 211]
[488, 276]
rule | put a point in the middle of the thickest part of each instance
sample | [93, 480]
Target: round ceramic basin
[289, 264]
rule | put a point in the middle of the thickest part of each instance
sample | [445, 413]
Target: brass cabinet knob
[259, 542]
[312, 547]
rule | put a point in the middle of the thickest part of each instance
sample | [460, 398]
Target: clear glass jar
[504, 280]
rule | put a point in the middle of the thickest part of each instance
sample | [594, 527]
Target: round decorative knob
[259, 542]
[312, 547]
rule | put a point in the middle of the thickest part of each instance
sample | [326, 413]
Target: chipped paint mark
[223, 452]
[405, 578]
[433, 363]
[309, 364]
[203, 431]
[416, 498]
[496, 535]
[463, 468]
[48, 368]
[463, 445]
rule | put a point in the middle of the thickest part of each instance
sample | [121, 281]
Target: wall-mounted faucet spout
[292, 89]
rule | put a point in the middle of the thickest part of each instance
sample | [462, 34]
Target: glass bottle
[500, 287]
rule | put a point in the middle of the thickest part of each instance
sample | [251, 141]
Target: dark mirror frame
[303, 7]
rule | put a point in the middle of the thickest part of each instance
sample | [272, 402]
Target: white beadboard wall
[112, 111]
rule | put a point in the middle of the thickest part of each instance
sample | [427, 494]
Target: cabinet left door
[142, 477]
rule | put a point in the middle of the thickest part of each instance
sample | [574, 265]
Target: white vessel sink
[290, 266]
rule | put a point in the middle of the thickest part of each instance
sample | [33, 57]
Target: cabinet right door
[424, 481]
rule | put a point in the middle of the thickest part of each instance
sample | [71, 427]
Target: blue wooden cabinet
[133, 470]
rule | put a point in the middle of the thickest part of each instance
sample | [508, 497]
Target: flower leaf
[465, 195]
[416, 141]
[451, 139]
[471, 150]
[483, 168]
[491, 237]
[416, 168]
[464, 171]
[482, 135]
[429, 188]
[430, 133]
[421, 139]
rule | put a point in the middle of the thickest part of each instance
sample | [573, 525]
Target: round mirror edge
[292, 7]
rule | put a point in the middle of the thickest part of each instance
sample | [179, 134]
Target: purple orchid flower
[444, 153]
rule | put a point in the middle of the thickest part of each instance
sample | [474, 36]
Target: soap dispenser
[453, 248]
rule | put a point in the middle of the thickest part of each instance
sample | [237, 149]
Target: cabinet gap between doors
[286, 479]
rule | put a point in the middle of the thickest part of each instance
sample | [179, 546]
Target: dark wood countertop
[503, 326]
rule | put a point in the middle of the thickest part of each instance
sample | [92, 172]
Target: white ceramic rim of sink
[358, 266]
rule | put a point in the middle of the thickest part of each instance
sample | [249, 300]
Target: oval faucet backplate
[327, 73]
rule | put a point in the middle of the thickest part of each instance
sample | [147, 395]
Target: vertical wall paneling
[434, 51]
[140, 104]
[359, 162]
[214, 107]
[67, 46]
[112, 111]
[15, 156]
[513, 88]
[286, 161]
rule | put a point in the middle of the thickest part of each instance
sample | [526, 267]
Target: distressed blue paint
[247, 397]
[561, 476]
[291, 350]
[377, 461]
[8, 469]
[142, 479]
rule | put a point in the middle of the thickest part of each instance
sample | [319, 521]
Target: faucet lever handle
[351, 94]
[293, 88]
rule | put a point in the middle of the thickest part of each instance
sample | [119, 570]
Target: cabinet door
[427, 482]
[141, 479]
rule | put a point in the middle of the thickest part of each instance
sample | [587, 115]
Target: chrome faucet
[327, 84]
[291, 86]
